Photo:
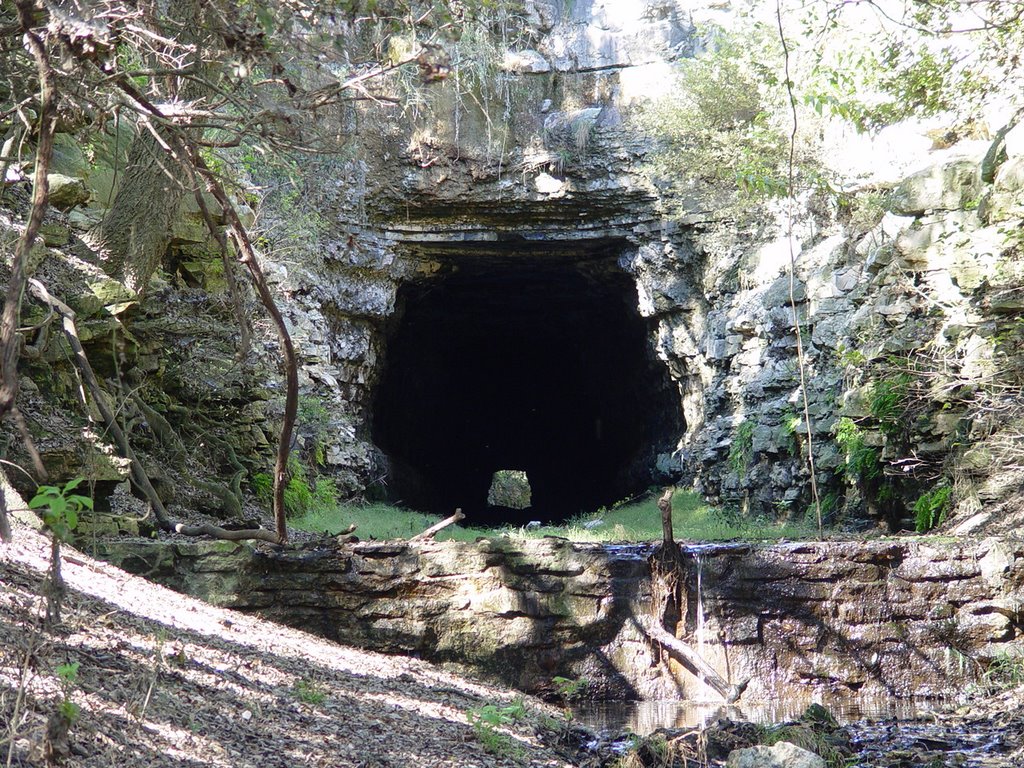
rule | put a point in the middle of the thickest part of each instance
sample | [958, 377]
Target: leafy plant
[59, 508]
[742, 449]
[303, 496]
[262, 484]
[487, 722]
[888, 403]
[569, 689]
[931, 508]
[67, 674]
[309, 691]
[862, 462]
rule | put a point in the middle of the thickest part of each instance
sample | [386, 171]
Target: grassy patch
[635, 521]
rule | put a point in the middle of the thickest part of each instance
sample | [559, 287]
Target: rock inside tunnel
[538, 362]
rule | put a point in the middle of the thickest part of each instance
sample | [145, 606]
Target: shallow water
[645, 717]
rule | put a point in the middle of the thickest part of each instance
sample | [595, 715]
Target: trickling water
[699, 561]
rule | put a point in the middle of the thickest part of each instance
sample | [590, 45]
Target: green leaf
[72, 484]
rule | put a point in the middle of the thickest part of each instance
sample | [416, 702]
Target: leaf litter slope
[166, 680]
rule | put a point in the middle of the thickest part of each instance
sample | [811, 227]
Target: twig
[433, 530]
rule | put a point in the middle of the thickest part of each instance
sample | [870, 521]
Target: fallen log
[433, 530]
[689, 657]
[245, 534]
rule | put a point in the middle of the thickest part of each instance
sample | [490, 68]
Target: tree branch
[433, 530]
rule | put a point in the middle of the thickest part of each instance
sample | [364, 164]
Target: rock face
[887, 618]
[491, 281]
[678, 337]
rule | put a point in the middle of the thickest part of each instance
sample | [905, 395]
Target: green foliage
[59, 508]
[931, 508]
[1004, 672]
[309, 691]
[724, 122]
[862, 462]
[569, 689]
[487, 722]
[262, 484]
[889, 401]
[742, 449]
[920, 59]
[67, 675]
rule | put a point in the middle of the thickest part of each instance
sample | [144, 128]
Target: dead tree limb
[433, 530]
[138, 473]
[259, 534]
[10, 342]
[665, 506]
[693, 660]
[234, 292]
[247, 255]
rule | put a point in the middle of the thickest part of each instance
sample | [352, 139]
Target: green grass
[628, 522]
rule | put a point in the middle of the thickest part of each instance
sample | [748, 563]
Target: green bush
[742, 449]
[726, 121]
[862, 462]
[262, 485]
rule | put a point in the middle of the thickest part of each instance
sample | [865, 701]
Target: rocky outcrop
[892, 618]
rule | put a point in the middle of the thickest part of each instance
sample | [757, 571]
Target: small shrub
[59, 508]
[742, 449]
[309, 692]
[888, 403]
[930, 510]
[487, 722]
[862, 461]
[262, 485]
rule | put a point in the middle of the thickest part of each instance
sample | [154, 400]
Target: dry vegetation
[165, 680]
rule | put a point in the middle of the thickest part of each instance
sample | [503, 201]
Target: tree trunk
[134, 235]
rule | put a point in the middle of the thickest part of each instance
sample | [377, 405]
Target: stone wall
[909, 617]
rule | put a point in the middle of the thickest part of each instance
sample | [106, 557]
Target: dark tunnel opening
[542, 364]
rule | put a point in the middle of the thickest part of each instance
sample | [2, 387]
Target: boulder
[947, 186]
[781, 755]
[526, 61]
[67, 192]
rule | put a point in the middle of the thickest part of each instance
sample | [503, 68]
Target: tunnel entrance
[542, 363]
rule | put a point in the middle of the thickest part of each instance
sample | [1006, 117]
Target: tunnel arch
[535, 360]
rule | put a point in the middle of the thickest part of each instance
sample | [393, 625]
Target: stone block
[67, 192]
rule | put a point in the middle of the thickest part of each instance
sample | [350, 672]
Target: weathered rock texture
[896, 618]
[489, 281]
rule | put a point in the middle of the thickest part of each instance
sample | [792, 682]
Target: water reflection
[644, 717]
